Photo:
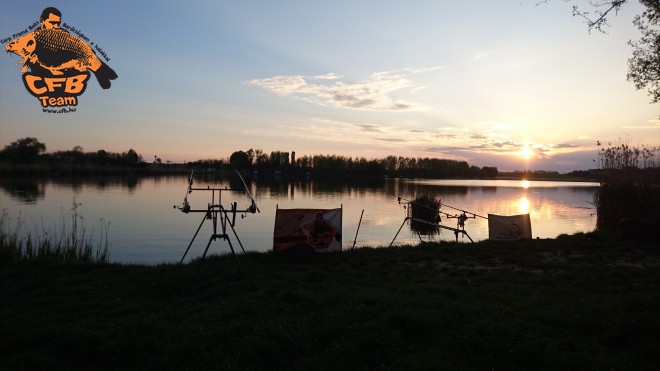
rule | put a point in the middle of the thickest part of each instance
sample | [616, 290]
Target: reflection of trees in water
[412, 189]
[276, 187]
[281, 186]
[461, 196]
[132, 183]
[585, 190]
[487, 189]
[25, 190]
[99, 182]
[30, 190]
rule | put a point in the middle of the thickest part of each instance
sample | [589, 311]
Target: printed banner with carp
[313, 230]
[509, 228]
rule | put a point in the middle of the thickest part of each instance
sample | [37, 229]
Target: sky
[512, 84]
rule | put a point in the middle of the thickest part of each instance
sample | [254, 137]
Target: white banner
[509, 228]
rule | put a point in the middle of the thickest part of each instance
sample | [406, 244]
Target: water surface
[144, 227]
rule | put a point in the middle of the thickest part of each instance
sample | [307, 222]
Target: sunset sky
[499, 83]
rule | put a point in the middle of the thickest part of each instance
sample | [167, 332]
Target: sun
[526, 153]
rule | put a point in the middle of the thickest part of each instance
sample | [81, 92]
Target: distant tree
[25, 150]
[76, 155]
[251, 155]
[102, 157]
[279, 160]
[304, 162]
[239, 160]
[490, 172]
[131, 157]
[260, 158]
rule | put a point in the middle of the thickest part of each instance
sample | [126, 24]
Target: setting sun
[526, 153]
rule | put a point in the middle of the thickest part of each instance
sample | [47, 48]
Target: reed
[69, 242]
[629, 179]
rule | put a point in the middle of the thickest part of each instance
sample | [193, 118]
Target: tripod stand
[455, 230]
[219, 216]
[435, 222]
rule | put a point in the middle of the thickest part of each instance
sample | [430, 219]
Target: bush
[629, 185]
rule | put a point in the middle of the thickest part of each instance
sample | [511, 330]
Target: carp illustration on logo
[58, 62]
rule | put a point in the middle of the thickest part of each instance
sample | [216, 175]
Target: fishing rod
[186, 206]
[464, 212]
[399, 199]
[460, 218]
[460, 223]
[253, 206]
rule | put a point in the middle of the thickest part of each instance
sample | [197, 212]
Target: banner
[314, 230]
[509, 228]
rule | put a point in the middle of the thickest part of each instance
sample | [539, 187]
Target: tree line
[29, 151]
[28, 157]
[394, 166]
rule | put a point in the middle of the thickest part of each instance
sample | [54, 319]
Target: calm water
[145, 228]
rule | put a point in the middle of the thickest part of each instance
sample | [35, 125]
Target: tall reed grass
[629, 184]
[69, 242]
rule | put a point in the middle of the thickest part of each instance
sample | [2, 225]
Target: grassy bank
[569, 303]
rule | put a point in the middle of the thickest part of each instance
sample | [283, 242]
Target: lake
[145, 227]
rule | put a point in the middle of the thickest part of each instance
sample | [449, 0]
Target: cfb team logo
[58, 62]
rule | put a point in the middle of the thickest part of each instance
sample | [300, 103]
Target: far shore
[55, 171]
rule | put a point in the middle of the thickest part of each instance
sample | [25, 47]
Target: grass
[575, 302]
[69, 242]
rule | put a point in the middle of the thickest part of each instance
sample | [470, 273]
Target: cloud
[370, 128]
[478, 56]
[281, 85]
[445, 149]
[565, 145]
[327, 76]
[444, 135]
[374, 93]
[494, 144]
[651, 124]
[393, 140]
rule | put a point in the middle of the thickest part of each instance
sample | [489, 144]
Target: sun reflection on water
[523, 205]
